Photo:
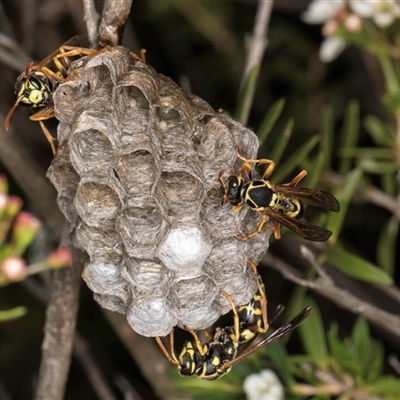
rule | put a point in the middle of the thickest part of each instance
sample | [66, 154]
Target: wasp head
[33, 89]
[234, 190]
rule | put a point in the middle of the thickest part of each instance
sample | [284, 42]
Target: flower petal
[363, 8]
[320, 11]
[331, 48]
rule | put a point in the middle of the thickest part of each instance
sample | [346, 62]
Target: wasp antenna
[10, 113]
[28, 68]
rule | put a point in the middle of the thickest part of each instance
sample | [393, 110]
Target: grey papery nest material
[137, 178]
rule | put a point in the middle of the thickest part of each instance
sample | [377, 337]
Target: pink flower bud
[27, 220]
[13, 268]
[3, 201]
[14, 205]
[24, 230]
[3, 184]
[330, 28]
[353, 23]
[59, 258]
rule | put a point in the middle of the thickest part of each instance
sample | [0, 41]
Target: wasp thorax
[137, 174]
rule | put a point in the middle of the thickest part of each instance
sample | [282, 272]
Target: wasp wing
[281, 331]
[301, 226]
[315, 197]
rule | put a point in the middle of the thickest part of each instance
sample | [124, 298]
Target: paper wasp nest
[137, 178]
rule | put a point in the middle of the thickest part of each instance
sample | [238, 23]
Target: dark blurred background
[202, 47]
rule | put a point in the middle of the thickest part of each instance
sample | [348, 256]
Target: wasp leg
[49, 138]
[57, 76]
[246, 169]
[171, 357]
[237, 208]
[277, 230]
[199, 344]
[296, 179]
[208, 335]
[263, 299]
[264, 218]
[261, 161]
[43, 114]
[235, 315]
[141, 57]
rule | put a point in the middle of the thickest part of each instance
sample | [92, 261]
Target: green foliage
[346, 368]
[356, 266]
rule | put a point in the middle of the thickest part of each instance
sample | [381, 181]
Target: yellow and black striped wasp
[284, 202]
[228, 346]
[34, 88]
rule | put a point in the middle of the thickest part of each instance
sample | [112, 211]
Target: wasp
[283, 202]
[34, 88]
[228, 346]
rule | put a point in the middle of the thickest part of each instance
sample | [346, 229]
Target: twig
[147, 356]
[91, 17]
[31, 178]
[256, 50]
[209, 26]
[59, 331]
[29, 15]
[80, 350]
[309, 256]
[11, 53]
[344, 299]
[96, 378]
[392, 291]
[113, 20]
[394, 362]
[371, 194]
[126, 388]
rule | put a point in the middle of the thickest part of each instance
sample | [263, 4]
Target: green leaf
[344, 194]
[380, 133]
[388, 180]
[367, 152]
[287, 167]
[335, 345]
[361, 341]
[269, 120]
[387, 386]
[386, 248]
[278, 355]
[378, 167]
[356, 267]
[349, 133]
[312, 334]
[247, 92]
[282, 141]
[327, 135]
[13, 313]
[315, 169]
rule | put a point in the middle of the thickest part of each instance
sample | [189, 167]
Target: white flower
[331, 48]
[382, 12]
[263, 386]
[328, 13]
[320, 11]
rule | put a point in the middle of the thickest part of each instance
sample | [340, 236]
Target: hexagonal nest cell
[137, 175]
